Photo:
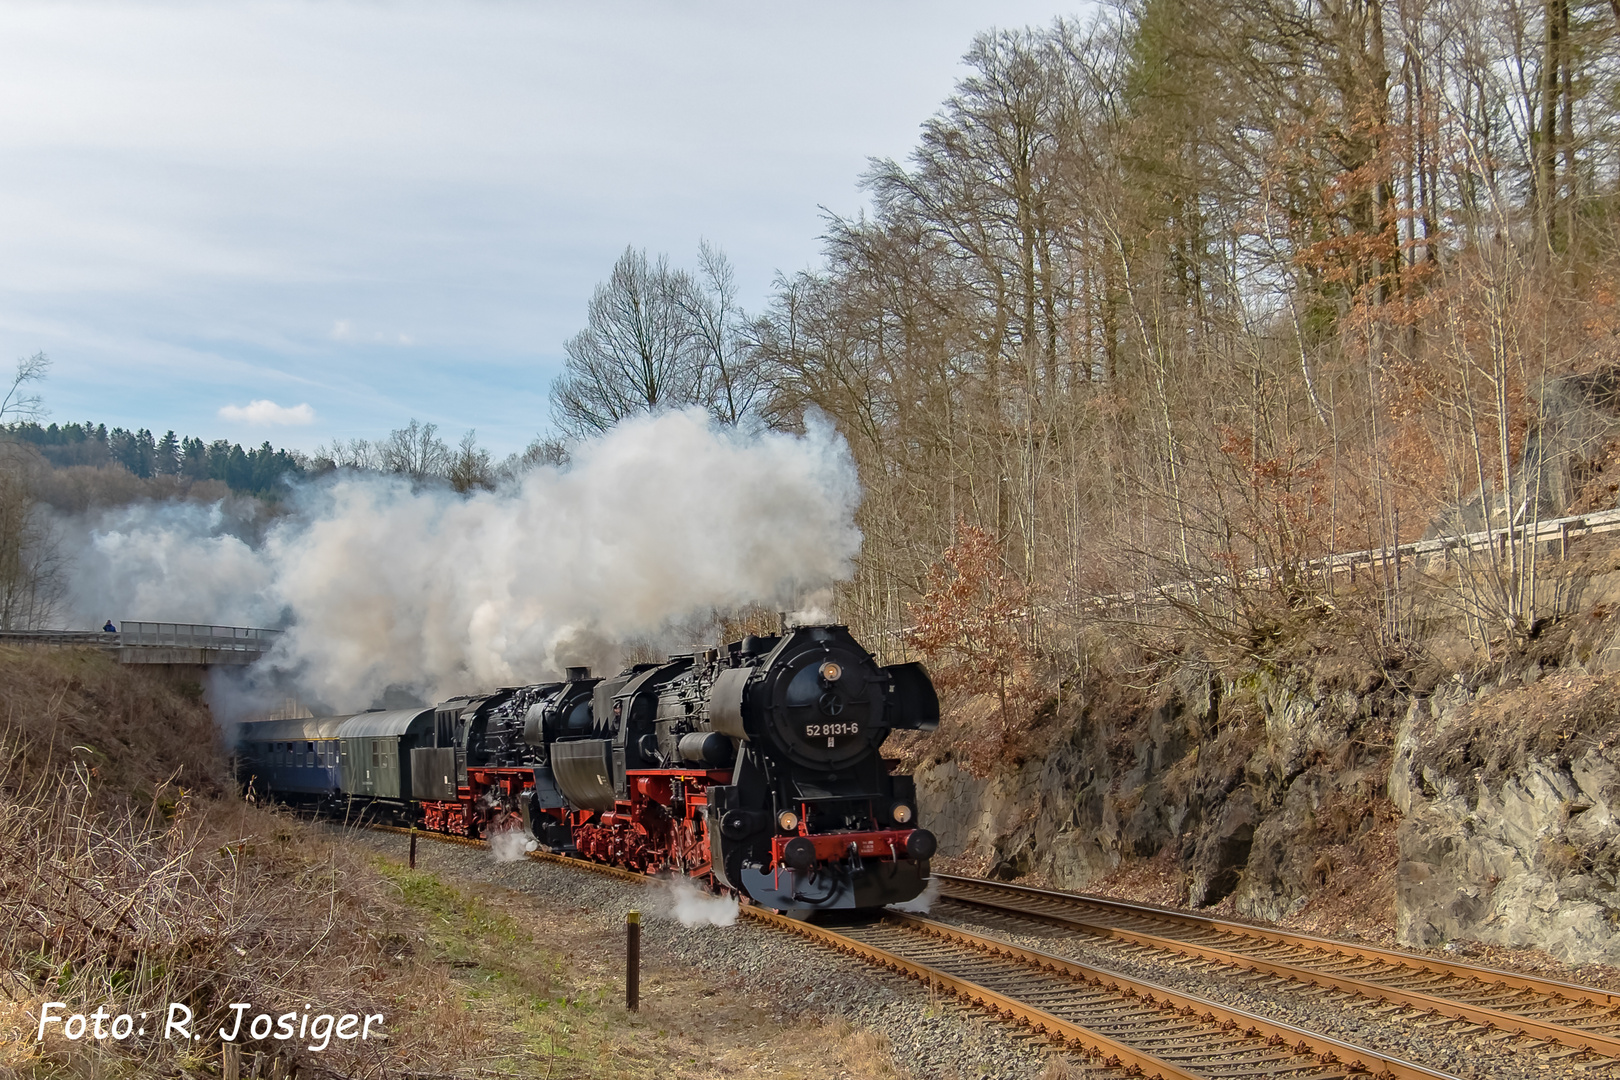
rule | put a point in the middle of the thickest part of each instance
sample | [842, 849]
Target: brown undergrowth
[133, 878]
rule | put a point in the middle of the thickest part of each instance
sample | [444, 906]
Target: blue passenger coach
[297, 759]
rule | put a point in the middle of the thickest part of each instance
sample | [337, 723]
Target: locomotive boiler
[759, 766]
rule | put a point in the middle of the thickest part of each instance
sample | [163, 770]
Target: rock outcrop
[1262, 788]
[1508, 830]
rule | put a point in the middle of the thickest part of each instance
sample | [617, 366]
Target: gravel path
[1405, 1033]
[932, 1039]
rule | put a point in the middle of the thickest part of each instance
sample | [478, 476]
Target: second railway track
[1122, 1026]
[1579, 1018]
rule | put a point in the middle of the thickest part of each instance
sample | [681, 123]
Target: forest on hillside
[1182, 290]
[1166, 294]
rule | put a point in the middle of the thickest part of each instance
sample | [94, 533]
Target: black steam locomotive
[756, 768]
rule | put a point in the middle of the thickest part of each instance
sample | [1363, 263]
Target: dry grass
[692, 1024]
[124, 888]
[1561, 717]
[216, 904]
[134, 732]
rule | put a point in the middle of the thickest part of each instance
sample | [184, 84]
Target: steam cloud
[510, 845]
[924, 902]
[683, 901]
[383, 586]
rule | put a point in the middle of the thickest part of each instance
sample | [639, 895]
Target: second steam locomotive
[755, 768]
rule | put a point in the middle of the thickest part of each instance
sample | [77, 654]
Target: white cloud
[264, 413]
[345, 330]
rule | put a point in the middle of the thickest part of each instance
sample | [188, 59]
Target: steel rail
[1502, 1019]
[1480, 973]
[1233, 1021]
[1113, 1053]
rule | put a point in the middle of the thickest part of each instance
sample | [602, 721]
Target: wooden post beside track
[413, 849]
[632, 961]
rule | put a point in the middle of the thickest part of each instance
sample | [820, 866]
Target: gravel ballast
[1423, 1040]
[932, 1038]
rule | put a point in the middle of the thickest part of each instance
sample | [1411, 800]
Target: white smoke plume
[924, 902]
[510, 845]
[682, 900]
[384, 586]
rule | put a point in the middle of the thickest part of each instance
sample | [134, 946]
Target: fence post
[632, 961]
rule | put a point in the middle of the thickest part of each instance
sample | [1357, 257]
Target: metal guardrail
[196, 636]
[66, 638]
[1556, 530]
[159, 643]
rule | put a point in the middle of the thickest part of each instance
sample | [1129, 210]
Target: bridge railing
[155, 642]
[196, 636]
[58, 637]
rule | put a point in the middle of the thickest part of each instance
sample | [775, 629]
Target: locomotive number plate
[813, 730]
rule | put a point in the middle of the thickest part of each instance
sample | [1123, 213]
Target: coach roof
[393, 722]
[308, 729]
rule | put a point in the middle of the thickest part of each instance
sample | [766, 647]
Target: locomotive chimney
[578, 674]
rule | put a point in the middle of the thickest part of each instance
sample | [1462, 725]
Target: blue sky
[388, 210]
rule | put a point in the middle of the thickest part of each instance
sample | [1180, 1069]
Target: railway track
[1581, 1019]
[1126, 1022]
[1125, 1026]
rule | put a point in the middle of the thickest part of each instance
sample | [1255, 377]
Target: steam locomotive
[756, 768]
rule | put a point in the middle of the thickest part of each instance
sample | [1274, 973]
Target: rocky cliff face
[1266, 787]
[1508, 819]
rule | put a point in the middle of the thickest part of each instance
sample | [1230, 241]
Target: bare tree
[415, 451]
[541, 453]
[32, 581]
[726, 360]
[634, 354]
[350, 454]
[470, 466]
[18, 404]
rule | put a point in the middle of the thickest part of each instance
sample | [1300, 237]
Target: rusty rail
[962, 890]
[1236, 1024]
[1228, 1022]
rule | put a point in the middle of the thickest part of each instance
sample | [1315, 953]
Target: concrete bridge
[159, 643]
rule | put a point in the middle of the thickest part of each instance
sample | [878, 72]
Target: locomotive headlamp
[831, 671]
[900, 812]
[787, 821]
